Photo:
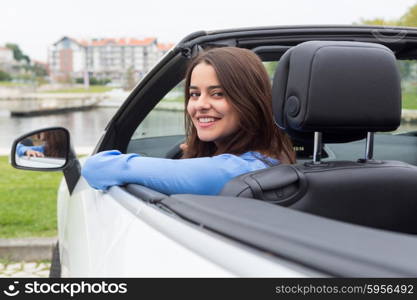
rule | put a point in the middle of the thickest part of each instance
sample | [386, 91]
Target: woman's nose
[203, 103]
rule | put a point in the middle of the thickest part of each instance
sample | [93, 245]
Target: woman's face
[212, 115]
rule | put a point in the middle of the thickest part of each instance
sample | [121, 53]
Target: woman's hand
[33, 153]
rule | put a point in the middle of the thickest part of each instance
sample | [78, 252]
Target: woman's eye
[194, 94]
[218, 95]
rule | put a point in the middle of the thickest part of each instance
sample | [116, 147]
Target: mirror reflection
[45, 149]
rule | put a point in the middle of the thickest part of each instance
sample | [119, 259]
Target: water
[85, 127]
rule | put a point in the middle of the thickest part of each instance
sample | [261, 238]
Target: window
[163, 127]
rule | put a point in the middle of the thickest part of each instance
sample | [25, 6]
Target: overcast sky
[35, 25]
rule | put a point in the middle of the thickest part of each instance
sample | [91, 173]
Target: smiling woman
[228, 99]
[229, 131]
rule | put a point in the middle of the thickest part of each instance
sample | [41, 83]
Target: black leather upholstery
[380, 194]
[342, 89]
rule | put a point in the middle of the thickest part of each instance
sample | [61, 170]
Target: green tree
[379, 22]
[17, 52]
[130, 79]
[409, 18]
[39, 70]
[4, 76]
[406, 69]
[93, 81]
[270, 67]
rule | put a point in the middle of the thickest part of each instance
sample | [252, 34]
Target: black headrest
[342, 89]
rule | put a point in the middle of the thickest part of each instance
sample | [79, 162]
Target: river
[85, 127]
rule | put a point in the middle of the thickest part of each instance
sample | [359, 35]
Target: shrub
[4, 76]
[94, 81]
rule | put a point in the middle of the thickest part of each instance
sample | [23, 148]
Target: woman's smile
[206, 121]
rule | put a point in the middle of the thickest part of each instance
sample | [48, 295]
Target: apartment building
[6, 59]
[103, 58]
[6, 55]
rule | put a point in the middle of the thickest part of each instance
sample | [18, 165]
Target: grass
[409, 95]
[12, 84]
[27, 202]
[92, 89]
[409, 100]
[176, 99]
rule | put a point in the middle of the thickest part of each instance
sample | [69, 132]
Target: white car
[329, 215]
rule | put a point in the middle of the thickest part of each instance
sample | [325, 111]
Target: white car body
[111, 234]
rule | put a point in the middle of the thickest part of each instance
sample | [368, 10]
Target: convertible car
[347, 208]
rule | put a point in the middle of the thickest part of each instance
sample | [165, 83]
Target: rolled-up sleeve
[205, 175]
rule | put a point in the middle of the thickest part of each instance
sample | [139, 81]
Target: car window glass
[166, 119]
[160, 133]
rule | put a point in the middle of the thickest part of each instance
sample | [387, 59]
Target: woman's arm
[206, 175]
[22, 150]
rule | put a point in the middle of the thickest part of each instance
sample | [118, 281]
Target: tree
[270, 67]
[130, 79]
[4, 76]
[407, 19]
[379, 22]
[39, 70]
[17, 53]
[407, 68]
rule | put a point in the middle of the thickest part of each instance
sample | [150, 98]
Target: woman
[229, 127]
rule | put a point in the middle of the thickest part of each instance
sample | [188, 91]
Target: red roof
[39, 62]
[119, 41]
[165, 47]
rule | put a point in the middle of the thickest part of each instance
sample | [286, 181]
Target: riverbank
[28, 101]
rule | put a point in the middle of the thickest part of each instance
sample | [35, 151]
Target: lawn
[409, 95]
[409, 100]
[27, 202]
[92, 89]
[12, 84]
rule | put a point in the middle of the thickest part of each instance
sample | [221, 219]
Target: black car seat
[335, 92]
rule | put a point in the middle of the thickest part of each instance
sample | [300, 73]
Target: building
[110, 58]
[7, 61]
[6, 56]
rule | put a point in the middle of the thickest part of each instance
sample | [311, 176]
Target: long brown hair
[247, 87]
[55, 143]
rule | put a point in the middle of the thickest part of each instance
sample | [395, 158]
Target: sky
[35, 25]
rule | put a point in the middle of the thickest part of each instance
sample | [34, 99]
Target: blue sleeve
[205, 175]
[21, 149]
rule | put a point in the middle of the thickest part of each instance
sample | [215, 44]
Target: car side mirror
[42, 150]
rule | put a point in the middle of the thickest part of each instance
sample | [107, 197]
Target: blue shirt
[21, 149]
[204, 175]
